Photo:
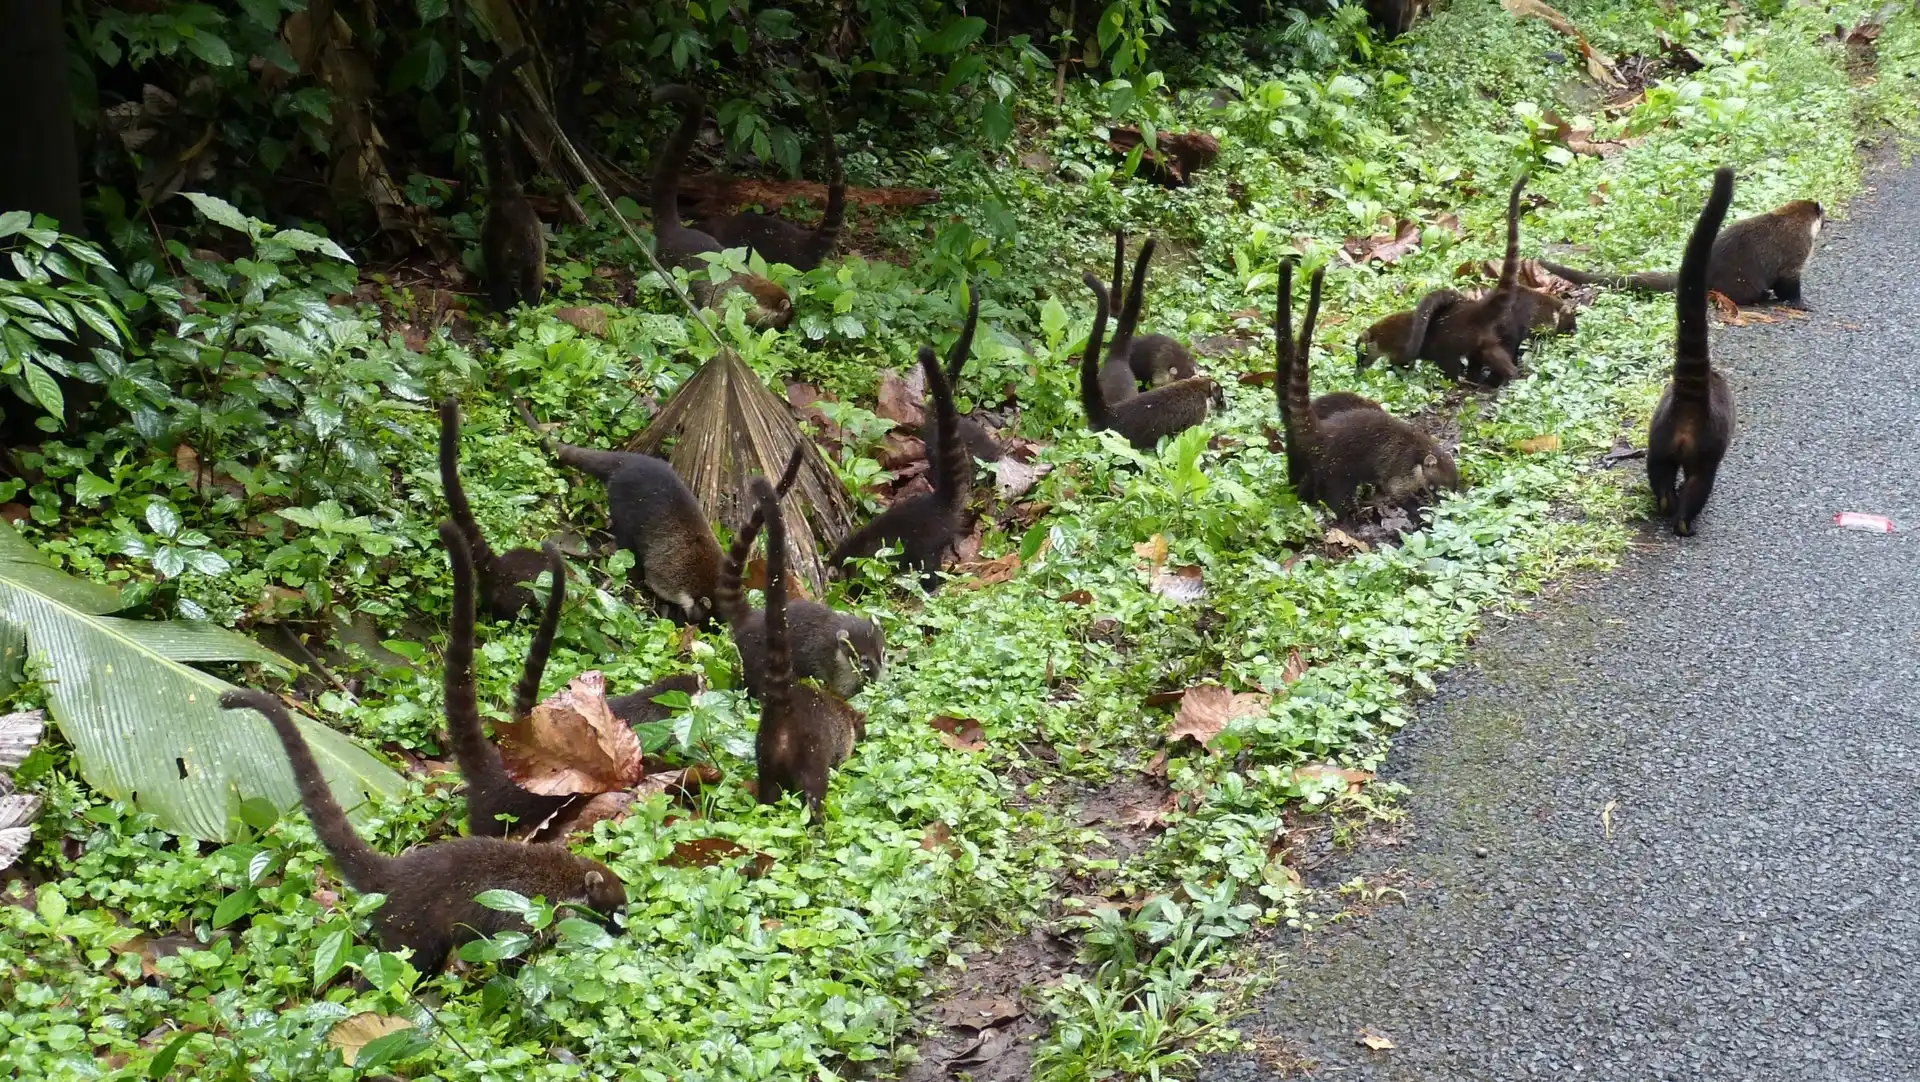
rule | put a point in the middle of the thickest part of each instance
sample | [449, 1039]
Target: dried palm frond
[726, 426]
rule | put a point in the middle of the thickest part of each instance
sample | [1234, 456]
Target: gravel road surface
[1665, 827]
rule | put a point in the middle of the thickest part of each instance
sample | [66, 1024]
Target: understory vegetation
[264, 460]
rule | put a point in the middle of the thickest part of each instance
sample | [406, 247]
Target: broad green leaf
[329, 956]
[955, 36]
[144, 726]
[162, 1064]
[46, 390]
[584, 931]
[218, 211]
[234, 906]
[14, 221]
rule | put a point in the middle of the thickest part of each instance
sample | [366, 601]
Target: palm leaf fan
[726, 426]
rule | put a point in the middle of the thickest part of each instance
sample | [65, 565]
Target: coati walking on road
[430, 888]
[500, 574]
[1145, 417]
[676, 245]
[655, 517]
[804, 732]
[513, 244]
[778, 240]
[1693, 424]
[842, 651]
[1354, 447]
[925, 527]
[1754, 256]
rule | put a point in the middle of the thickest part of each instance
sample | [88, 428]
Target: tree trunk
[39, 162]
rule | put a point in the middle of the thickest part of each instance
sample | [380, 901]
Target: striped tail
[501, 175]
[1091, 400]
[963, 345]
[1690, 361]
[527, 691]
[778, 685]
[1300, 376]
[478, 760]
[456, 493]
[1508, 290]
[1130, 309]
[827, 233]
[673, 155]
[359, 865]
[1283, 347]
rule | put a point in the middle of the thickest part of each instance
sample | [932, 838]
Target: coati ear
[594, 879]
[1431, 461]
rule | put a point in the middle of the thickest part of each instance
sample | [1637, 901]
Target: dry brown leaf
[1522, 9]
[1014, 479]
[1259, 377]
[1185, 585]
[978, 1012]
[572, 743]
[1375, 1041]
[1606, 818]
[1385, 247]
[1148, 816]
[1345, 540]
[355, 1032]
[1450, 223]
[1206, 709]
[1538, 444]
[1294, 669]
[1154, 551]
[895, 401]
[960, 734]
[899, 450]
[13, 514]
[1082, 598]
[981, 573]
[1729, 311]
[677, 784]
[938, 835]
[588, 320]
[708, 852]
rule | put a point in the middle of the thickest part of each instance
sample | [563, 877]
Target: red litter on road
[1854, 520]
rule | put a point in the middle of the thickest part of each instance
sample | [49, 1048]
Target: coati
[500, 574]
[1542, 313]
[924, 527]
[979, 442]
[1156, 359]
[804, 732]
[781, 241]
[638, 708]
[840, 650]
[1285, 357]
[656, 518]
[430, 888]
[491, 794]
[1145, 417]
[1754, 256]
[1393, 17]
[1693, 423]
[1353, 447]
[513, 244]
[1464, 335]
[677, 245]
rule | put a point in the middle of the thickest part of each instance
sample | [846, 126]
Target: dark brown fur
[639, 708]
[676, 245]
[804, 732]
[1285, 356]
[1753, 257]
[1461, 334]
[513, 244]
[1144, 418]
[1693, 424]
[655, 517]
[840, 650]
[1155, 359]
[500, 574]
[1353, 448]
[778, 240]
[1393, 17]
[430, 889]
[979, 442]
[491, 794]
[924, 527]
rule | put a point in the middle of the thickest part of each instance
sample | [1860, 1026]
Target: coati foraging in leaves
[1155, 359]
[656, 518]
[1463, 335]
[500, 574]
[804, 732]
[513, 244]
[1145, 417]
[1353, 447]
[676, 245]
[1693, 424]
[638, 708]
[925, 527]
[430, 888]
[1285, 356]
[1541, 312]
[840, 650]
[491, 794]
[778, 240]
[1754, 256]
[979, 442]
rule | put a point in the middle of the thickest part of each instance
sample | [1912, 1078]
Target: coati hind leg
[1787, 288]
[1663, 470]
[1694, 492]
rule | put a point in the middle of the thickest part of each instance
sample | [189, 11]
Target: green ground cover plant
[275, 465]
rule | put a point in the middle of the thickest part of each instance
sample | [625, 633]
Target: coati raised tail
[1753, 257]
[1353, 448]
[979, 442]
[840, 650]
[513, 244]
[1156, 359]
[500, 574]
[781, 241]
[430, 889]
[1693, 424]
[1461, 334]
[1145, 417]
[1540, 312]
[1285, 356]
[491, 794]
[677, 245]
[655, 517]
[804, 731]
[924, 527]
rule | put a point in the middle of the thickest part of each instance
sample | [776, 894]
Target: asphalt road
[1665, 827]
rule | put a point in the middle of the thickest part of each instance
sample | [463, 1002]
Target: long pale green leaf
[148, 729]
